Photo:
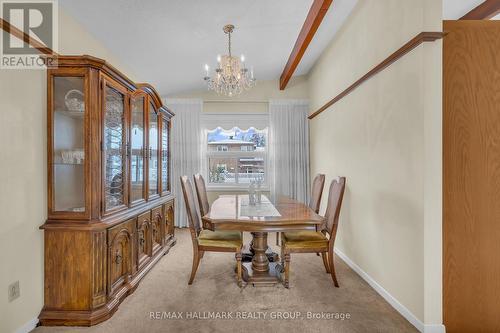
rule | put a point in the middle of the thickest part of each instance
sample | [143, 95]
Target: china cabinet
[110, 208]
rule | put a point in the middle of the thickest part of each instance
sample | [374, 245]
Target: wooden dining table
[234, 212]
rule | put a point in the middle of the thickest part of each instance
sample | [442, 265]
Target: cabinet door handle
[118, 259]
[142, 240]
[150, 153]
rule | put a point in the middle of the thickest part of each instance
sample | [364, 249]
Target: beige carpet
[165, 289]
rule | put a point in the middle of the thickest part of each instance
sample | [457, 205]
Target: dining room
[231, 165]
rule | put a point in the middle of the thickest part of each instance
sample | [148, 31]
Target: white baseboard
[28, 327]
[434, 328]
[390, 299]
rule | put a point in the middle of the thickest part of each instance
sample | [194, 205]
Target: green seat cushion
[229, 239]
[304, 239]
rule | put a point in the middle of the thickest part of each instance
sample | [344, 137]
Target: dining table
[259, 217]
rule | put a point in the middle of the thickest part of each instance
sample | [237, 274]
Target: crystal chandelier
[231, 76]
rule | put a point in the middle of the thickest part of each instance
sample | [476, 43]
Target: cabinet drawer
[156, 224]
[120, 254]
[144, 246]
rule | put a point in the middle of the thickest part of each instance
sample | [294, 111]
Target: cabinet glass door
[153, 151]
[114, 148]
[137, 150]
[165, 167]
[68, 144]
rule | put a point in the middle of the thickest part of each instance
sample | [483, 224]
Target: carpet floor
[354, 307]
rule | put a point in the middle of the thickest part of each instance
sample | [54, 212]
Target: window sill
[232, 189]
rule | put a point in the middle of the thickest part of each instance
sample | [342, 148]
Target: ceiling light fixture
[231, 76]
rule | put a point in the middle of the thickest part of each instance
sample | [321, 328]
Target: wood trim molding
[155, 96]
[410, 45]
[484, 11]
[313, 20]
[26, 38]
[69, 61]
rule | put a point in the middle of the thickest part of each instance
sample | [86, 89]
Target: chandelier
[231, 76]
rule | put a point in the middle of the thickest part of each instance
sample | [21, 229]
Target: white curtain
[186, 148]
[289, 149]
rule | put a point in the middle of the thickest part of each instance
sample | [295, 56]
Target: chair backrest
[335, 196]
[192, 212]
[201, 191]
[316, 192]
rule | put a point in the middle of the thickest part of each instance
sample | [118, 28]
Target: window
[236, 157]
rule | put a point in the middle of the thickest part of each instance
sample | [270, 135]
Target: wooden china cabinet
[110, 208]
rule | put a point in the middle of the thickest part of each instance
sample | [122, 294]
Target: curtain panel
[289, 149]
[186, 148]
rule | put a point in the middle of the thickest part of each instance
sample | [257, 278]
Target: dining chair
[206, 240]
[317, 241]
[201, 191]
[315, 200]
[316, 192]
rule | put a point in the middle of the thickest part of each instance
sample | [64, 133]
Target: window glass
[236, 156]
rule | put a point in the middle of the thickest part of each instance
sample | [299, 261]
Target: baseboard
[29, 326]
[436, 328]
[391, 299]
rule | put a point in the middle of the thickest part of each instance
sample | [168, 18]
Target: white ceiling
[455, 9]
[167, 43]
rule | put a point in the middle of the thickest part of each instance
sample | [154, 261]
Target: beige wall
[23, 199]
[264, 91]
[385, 138]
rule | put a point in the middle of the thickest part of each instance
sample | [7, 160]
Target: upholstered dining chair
[315, 200]
[317, 241]
[201, 191]
[206, 240]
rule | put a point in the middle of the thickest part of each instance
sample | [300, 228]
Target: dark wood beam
[313, 20]
[42, 48]
[410, 45]
[484, 11]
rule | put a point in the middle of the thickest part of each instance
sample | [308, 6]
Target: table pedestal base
[261, 271]
[247, 254]
[261, 279]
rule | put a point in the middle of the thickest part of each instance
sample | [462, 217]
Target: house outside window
[235, 157]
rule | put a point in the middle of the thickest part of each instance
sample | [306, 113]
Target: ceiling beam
[313, 20]
[484, 11]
